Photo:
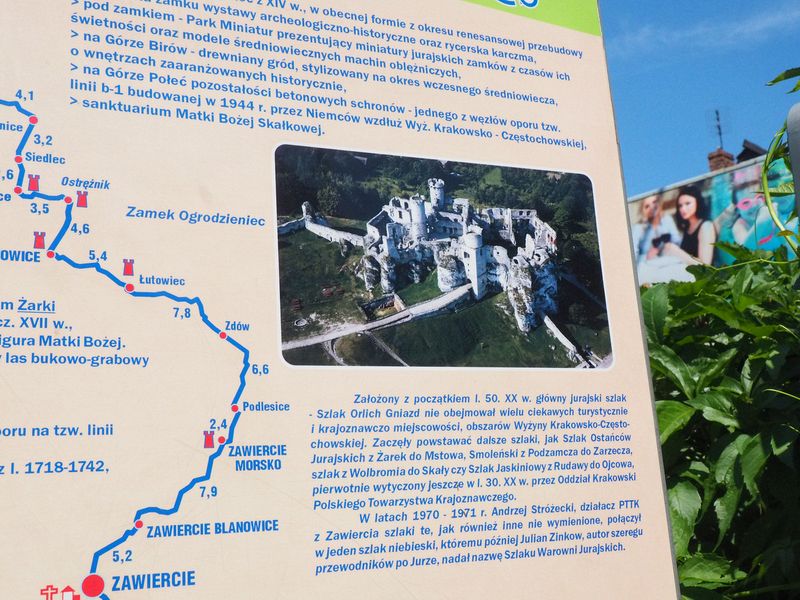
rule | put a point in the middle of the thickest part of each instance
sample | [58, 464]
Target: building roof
[750, 150]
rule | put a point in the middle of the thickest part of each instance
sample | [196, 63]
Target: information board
[319, 299]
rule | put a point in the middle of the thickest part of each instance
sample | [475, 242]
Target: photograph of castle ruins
[398, 261]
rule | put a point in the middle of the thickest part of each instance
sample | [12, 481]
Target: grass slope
[307, 265]
[427, 289]
[483, 335]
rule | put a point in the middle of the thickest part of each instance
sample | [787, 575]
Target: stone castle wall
[291, 227]
[334, 235]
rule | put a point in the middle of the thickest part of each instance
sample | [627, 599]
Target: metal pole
[793, 130]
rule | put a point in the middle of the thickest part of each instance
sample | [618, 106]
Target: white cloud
[722, 34]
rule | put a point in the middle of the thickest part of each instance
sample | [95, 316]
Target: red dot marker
[93, 586]
[129, 288]
[33, 120]
[18, 159]
[223, 335]
[17, 190]
[68, 200]
[235, 408]
[221, 440]
[51, 254]
[138, 524]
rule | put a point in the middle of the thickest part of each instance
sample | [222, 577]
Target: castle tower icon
[33, 183]
[83, 199]
[127, 267]
[38, 240]
[208, 439]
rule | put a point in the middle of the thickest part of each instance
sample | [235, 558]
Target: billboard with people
[683, 224]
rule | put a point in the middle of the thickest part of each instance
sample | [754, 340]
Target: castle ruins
[491, 249]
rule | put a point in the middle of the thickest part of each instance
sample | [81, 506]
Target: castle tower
[475, 263]
[394, 232]
[208, 439]
[436, 187]
[419, 221]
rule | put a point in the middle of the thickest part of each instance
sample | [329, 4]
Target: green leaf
[720, 308]
[725, 508]
[785, 189]
[696, 593]
[742, 282]
[783, 438]
[664, 360]
[738, 252]
[695, 467]
[709, 492]
[724, 468]
[709, 571]
[786, 75]
[672, 416]
[750, 373]
[684, 506]
[716, 408]
[755, 454]
[717, 416]
[730, 386]
[655, 306]
[741, 286]
[710, 371]
[728, 472]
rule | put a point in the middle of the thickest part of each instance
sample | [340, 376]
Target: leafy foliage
[725, 356]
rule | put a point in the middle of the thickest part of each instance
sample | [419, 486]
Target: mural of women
[724, 207]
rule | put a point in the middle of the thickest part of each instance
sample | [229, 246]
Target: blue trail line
[64, 228]
[40, 196]
[95, 266]
[25, 138]
[16, 105]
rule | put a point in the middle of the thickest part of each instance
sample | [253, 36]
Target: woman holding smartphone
[651, 229]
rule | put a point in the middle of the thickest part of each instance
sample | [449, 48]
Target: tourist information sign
[319, 299]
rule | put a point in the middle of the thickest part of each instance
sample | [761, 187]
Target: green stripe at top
[580, 15]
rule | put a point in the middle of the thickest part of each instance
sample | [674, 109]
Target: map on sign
[36, 316]
[311, 299]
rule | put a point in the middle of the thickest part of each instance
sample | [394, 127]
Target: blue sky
[672, 63]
